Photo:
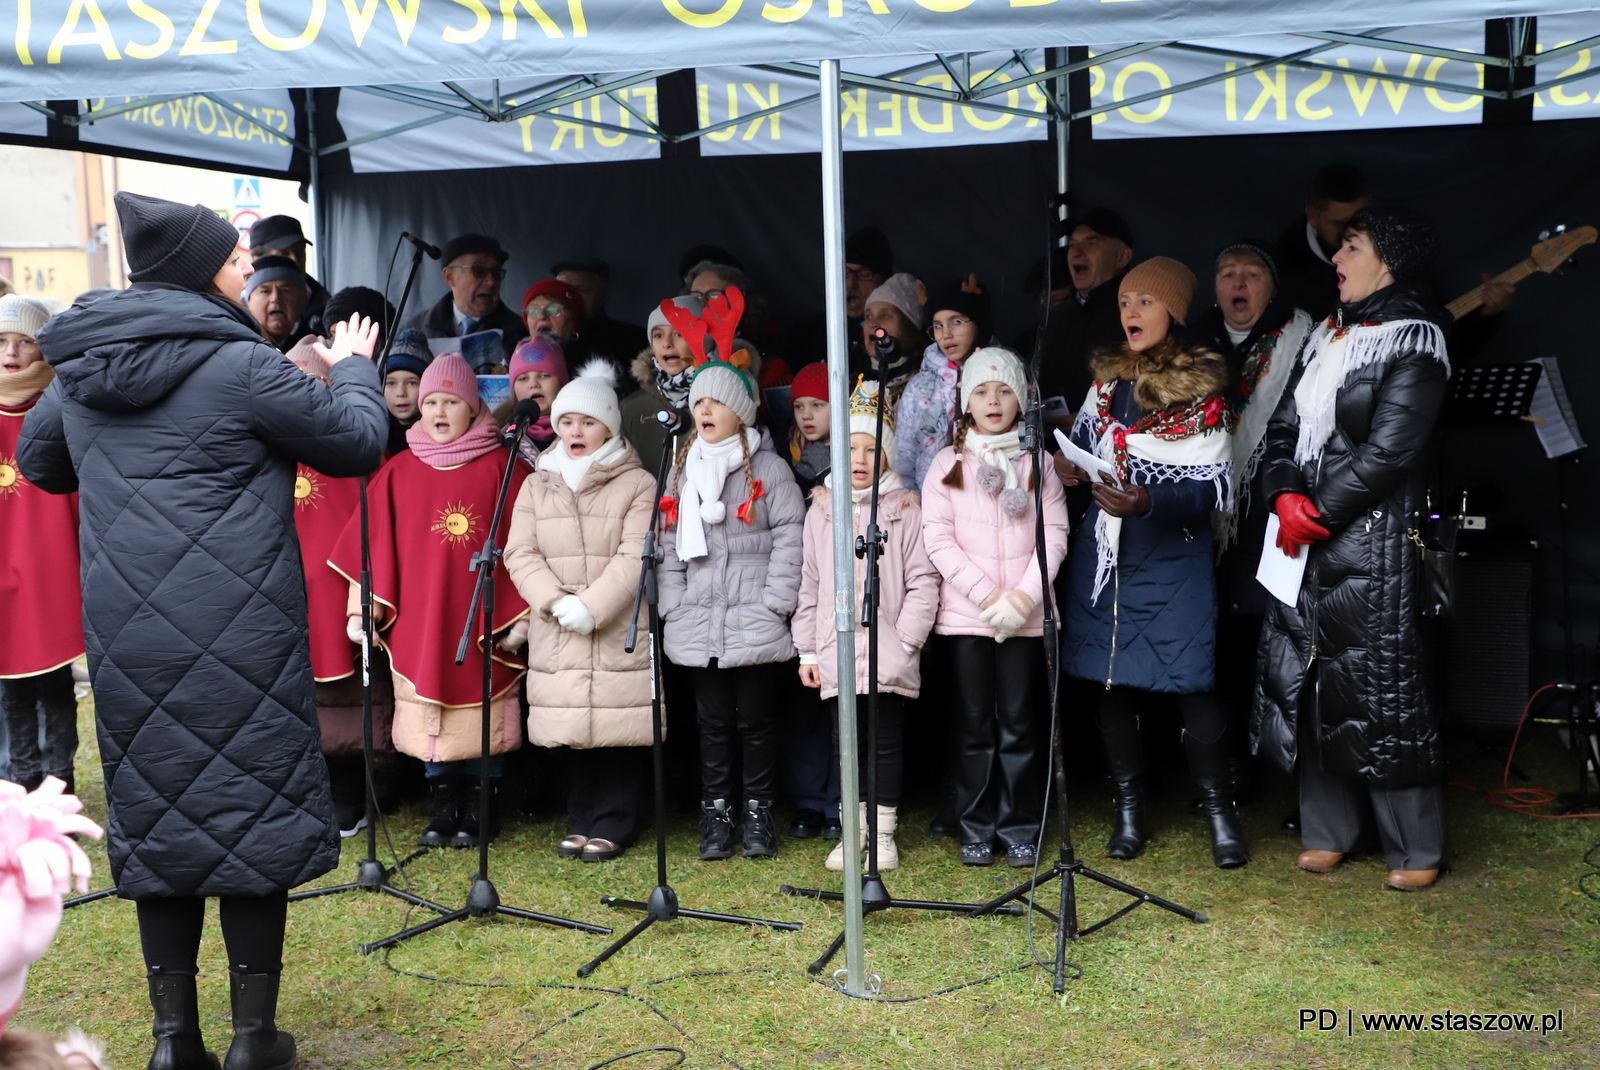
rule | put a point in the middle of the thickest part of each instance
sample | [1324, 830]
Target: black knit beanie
[182, 244]
[1405, 239]
[974, 306]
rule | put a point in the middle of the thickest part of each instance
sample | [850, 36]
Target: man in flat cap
[280, 235]
[474, 266]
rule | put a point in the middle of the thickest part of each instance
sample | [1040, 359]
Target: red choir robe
[41, 600]
[322, 507]
[426, 524]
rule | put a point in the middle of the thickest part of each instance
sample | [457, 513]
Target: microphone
[523, 416]
[673, 421]
[431, 250]
[885, 343]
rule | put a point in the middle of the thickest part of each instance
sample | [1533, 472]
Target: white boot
[835, 860]
[888, 850]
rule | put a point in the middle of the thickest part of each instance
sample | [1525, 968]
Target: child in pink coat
[978, 523]
[908, 600]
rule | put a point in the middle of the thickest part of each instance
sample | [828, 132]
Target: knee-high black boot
[1211, 769]
[176, 1027]
[258, 1043]
[1119, 733]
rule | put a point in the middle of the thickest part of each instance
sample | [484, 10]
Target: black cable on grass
[627, 993]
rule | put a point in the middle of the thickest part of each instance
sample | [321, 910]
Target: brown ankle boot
[1319, 861]
[1411, 880]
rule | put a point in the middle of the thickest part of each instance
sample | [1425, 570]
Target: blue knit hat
[410, 353]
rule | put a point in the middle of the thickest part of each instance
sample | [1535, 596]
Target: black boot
[176, 1027]
[760, 834]
[474, 824]
[1209, 765]
[258, 1043]
[716, 830]
[445, 802]
[347, 778]
[1125, 764]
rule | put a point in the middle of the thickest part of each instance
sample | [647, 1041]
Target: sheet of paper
[1099, 471]
[1279, 573]
[1557, 427]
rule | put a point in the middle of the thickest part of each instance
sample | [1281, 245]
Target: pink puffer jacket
[979, 550]
[908, 597]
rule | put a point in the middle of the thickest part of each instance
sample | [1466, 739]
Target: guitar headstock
[1553, 252]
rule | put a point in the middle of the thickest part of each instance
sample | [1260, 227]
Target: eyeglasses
[480, 271]
[950, 327]
[859, 274]
[709, 295]
[555, 312]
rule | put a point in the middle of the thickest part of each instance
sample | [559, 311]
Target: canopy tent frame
[985, 93]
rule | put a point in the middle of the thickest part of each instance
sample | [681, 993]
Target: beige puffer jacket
[584, 690]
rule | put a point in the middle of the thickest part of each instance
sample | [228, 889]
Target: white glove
[353, 629]
[1008, 614]
[516, 635]
[570, 612]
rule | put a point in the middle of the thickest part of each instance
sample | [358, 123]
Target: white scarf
[705, 470]
[1333, 356]
[572, 469]
[996, 451]
[1250, 435]
[1151, 460]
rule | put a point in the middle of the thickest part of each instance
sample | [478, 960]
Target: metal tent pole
[844, 554]
[314, 187]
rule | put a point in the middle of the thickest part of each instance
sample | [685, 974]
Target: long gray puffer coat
[1370, 692]
[734, 604]
[180, 429]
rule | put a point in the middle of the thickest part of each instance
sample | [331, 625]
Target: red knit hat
[564, 292]
[811, 382]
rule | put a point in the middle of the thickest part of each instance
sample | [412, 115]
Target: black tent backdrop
[948, 212]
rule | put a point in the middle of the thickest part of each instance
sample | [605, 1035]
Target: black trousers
[891, 744]
[603, 802]
[252, 930]
[29, 701]
[1203, 716]
[998, 697]
[808, 765]
[743, 702]
[1332, 808]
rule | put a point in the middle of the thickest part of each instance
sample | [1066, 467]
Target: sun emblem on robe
[457, 524]
[11, 481]
[307, 489]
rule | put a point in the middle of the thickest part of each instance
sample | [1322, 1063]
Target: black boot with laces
[716, 830]
[760, 832]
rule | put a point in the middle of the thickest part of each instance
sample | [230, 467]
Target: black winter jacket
[180, 429]
[1358, 619]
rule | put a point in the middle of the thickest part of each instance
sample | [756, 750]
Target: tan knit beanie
[1166, 280]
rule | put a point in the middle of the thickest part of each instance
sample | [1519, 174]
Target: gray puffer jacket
[734, 604]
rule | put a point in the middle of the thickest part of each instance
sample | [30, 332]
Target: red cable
[1525, 801]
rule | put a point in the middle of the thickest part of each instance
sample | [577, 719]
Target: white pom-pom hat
[593, 392]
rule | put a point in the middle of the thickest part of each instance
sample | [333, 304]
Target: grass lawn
[1506, 931]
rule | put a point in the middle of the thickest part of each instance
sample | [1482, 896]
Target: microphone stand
[874, 895]
[1068, 867]
[663, 902]
[371, 874]
[483, 900]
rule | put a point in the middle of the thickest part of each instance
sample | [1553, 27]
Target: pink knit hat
[450, 374]
[539, 355]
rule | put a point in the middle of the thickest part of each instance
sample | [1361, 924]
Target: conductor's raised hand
[355, 337]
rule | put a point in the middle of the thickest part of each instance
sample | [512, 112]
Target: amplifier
[1487, 644]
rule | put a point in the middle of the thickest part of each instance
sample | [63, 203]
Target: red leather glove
[1297, 525]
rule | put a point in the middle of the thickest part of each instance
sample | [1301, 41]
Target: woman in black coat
[180, 430]
[1141, 615]
[1344, 690]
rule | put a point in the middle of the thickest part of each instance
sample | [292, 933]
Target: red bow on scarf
[743, 512]
[669, 510]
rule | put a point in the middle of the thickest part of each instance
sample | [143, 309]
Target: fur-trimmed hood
[643, 368]
[1166, 374]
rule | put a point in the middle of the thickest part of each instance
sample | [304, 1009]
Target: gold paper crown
[864, 402]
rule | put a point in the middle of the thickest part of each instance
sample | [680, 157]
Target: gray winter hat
[723, 382]
[182, 244]
[690, 303]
